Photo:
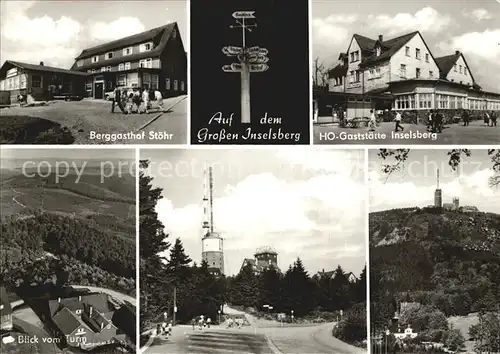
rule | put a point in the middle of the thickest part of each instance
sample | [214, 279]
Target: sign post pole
[249, 60]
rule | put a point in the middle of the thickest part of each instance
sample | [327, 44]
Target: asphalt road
[474, 134]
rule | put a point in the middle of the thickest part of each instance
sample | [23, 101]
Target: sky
[302, 202]
[55, 32]
[473, 27]
[415, 183]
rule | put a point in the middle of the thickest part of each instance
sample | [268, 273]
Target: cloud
[332, 30]
[426, 20]
[477, 44]
[122, 27]
[478, 14]
[472, 189]
[307, 218]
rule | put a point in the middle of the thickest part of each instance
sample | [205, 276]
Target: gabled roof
[97, 300]
[364, 43]
[4, 300]
[339, 70]
[160, 35]
[447, 62]
[34, 67]
[66, 321]
[142, 37]
[389, 48]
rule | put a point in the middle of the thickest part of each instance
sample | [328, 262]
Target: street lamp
[387, 333]
[292, 316]
[219, 315]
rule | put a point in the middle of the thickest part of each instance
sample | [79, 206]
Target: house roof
[4, 300]
[160, 36]
[95, 320]
[34, 67]
[97, 300]
[446, 62]
[388, 48]
[66, 321]
[339, 70]
[127, 41]
[364, 43]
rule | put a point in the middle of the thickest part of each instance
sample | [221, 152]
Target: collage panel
[68, 251]
[387, 72]
[434, 228]
[253, 251]
[250, 81]
[86, 72]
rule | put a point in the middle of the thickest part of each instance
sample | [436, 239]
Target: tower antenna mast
[438, 178]
[211, 186]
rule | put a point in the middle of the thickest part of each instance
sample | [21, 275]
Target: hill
[449, 260]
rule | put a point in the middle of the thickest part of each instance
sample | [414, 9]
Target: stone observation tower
[438, 194]
[266, 257]
[212, 243]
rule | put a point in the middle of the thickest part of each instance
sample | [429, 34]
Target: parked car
[111, 94]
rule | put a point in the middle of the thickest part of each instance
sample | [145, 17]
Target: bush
[352, 328]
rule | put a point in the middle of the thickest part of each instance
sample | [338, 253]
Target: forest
[198, 292]
[70, 250]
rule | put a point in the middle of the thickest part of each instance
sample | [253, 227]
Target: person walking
[397, 119]
[373, 121]
[169, 329]
[486, 119]
[493, 118]
[117, 96]
[209, 321]
[159, 100]
[145, 100]
[465, 117]
[193, 322]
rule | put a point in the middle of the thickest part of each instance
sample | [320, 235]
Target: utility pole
[175, 305]
[251, 59]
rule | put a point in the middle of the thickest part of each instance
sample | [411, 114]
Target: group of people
[490, 119]
[237, 322]
[136, 100]
[164, 328]
[372, 124]
[202, 322]
[435, 121]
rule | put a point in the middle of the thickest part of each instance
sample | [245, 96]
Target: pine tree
[245, 291]
[269, 282]
[178, 262]
[152, 242]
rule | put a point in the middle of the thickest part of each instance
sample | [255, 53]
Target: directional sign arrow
[253, 50]
[258, 59]
[229, 69]
[263, 51]
[236, 66]
[259, 68]
[231, 50]
[243, 14]
[241, 57]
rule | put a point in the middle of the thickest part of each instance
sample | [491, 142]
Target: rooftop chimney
[380, 37]
[457, 52]
[41, 63]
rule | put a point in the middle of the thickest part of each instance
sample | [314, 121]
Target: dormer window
[127, 51]
[109, 56]
[146, 47]
[378, 50]
[79, 63]
[121, 67]
[95, 59]
[174, 33]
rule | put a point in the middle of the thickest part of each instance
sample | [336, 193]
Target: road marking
[159, 115]
[272, 346]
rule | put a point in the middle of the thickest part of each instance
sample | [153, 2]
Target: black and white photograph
[68, 255]
[434, 228]
[250, 81]
[253, 251]
[87, 72]
[406, 72]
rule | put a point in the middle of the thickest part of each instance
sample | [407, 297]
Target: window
[154, 82]
[79, 63]
[127, 65]
[167, 83]
[427, 57]
[442, 101]
[146, 80]
[351, 77]
[127, 51]
[95, 59]
[407, 51]
[121, 67]
[174, 33]
[182, 85]
[371, 73]
[455, 67]
[378, 51]
[352, 57]
[402, 71]
[417, 73]
[122, 80]
[93, 71]
[356, 55]
[80, 330]
[108, 68]
[23, 81]
[89, 71]
[417, 53]
[146, 47]
[36, 81]
[460, 69]
[431, 74]
[175, 85]
[108, 56]
[377, 71]
[465, 70]
[103, 69]
[146, 63]
[425, 100]
[358, 75]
